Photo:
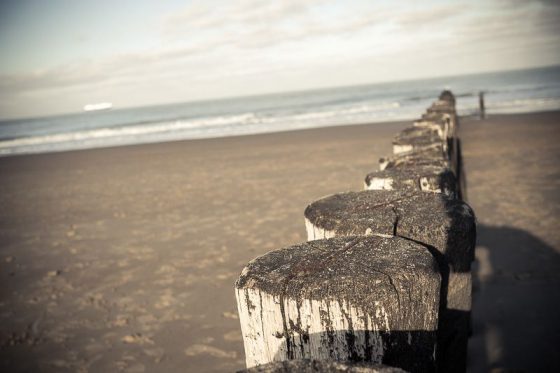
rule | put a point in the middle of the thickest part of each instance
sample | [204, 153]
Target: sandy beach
[513, 176]
[124, 259]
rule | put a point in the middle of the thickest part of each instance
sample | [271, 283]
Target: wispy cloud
[431, 16]
[211, 16]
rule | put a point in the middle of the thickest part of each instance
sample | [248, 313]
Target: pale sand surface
[512, 163]
[124, 259]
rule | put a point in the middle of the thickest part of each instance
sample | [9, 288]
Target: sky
[57, 56]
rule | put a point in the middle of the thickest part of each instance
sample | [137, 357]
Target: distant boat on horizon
[98, 106]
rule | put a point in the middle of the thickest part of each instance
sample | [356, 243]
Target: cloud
[232, 48]
[258, 24]
[101, 71]
[511, 25]
[207, 47]
[430, 16]
[209, 16]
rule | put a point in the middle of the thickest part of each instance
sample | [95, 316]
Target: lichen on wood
[444, 225]
[347, 298]
[427, 178]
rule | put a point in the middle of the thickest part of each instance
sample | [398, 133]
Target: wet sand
[124, 259]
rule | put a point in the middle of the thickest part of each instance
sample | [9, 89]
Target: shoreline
[218, 138]
[215, 138]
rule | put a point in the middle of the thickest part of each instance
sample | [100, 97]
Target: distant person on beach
[481, 104]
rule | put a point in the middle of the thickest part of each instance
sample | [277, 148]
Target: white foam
[511, 106]
[275, 120]
[81, 138]
[208, 127]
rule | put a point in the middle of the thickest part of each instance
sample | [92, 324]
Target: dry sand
[124, 259]
[512, 163]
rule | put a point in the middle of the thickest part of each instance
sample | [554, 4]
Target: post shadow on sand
[18, 359]
[399, 351]
[454, 324]
[517, 301]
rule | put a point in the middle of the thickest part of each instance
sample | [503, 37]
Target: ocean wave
[509, 106]
[135, 130]
[337, 112]
[228, 125]
[505, 93]
[524, 105]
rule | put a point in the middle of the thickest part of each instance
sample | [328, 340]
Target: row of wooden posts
[385, 277]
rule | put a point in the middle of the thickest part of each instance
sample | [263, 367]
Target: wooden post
[416, 144]
[444, 224]
[441, 107]
[443, 113]
[433, 156]
[422, 151]
[422, 178]
[441, 124]
[417, 138]
[348, 298]
[448, 96]
[310, 366]
[447, 121]
[443, 110]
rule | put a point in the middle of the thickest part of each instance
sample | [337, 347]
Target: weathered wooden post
[433, 156]
[315, 366]
[442, 124]
[428, 142]
[441, 111]
[445, 225]
[421, 178]
[448, 96]
[441, 106]
[418, 138]
[447, 122]
[348, 298]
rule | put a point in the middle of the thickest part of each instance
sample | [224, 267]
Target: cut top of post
[448, 96]
[362, 271]
[441, 109]
[439, 117]
[442, 103]
[443, 123]
[413, 132]
[417, 140]
[432, 156]
[433, 219]
[347, 298]
[422, 178]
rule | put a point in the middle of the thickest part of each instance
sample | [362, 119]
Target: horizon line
[275, 93]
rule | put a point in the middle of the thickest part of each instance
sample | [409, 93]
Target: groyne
[384, 277]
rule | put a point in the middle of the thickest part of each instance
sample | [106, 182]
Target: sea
[519, 91]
